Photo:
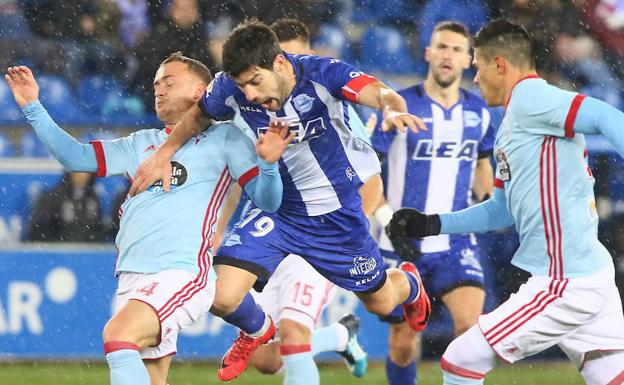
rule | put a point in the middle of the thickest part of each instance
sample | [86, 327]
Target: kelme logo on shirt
[303, 103]
[178, 177]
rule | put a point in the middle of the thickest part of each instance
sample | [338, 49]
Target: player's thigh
[544, 312]
[297, 292]
[171, 299]
[465, 303]
[293, 333]
[255, 244]
[135, 322]
[158, 369]
[602, 333]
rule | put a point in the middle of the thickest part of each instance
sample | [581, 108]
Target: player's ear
[200, 90]
[501, 64]
[427, 54]
[279, 62]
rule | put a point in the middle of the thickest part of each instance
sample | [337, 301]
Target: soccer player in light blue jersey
[437, 171]
[321, 217]
[544, 186]
[164, 266]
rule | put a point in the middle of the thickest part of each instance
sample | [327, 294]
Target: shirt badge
[303, 103]
[503, 166]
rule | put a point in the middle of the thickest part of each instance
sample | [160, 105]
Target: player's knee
[266, 359]
[225, 303]
[267, 366]
[294, 333]
[114, 331]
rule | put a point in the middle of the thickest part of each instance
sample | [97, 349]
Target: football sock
[125, 363]
[399, 375]
[414, 287]
[249, 317]
[299, 366]
[332, 338]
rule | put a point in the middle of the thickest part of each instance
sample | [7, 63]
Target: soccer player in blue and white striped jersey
[437, 171]
[321, 217]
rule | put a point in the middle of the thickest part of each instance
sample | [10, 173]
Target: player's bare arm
[158, 166]
[23, 85]
[395, 115]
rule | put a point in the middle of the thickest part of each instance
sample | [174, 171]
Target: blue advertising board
[55, 300]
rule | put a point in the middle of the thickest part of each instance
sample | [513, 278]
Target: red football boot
[235, 360]
[416, 313]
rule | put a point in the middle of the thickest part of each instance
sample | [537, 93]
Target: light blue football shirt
[542, 165]
[173, 230]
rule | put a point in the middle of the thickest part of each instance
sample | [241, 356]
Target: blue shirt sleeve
[597, 117]
[218, 102]
[260, 180]
[73, 155]
[491, 214]
[343, 80]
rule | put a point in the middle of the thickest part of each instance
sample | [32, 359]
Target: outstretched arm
[488, 215]
[491, 214]
[394, 108]
[73, 155]
[597, 117]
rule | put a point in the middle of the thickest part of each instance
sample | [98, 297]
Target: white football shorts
[176, 297]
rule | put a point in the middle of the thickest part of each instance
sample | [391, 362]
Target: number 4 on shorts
[149, 289]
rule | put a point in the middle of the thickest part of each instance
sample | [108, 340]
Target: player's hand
[156, 167]
[401, 121]
[271, 145]
[411, 223]
[405, 248]
[23, 85]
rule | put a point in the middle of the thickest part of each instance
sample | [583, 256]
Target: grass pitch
[76, 373]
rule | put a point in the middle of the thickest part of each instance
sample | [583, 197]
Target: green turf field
[536, 373]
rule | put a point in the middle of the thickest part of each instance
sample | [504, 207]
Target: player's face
[262, 86]
[489, 80]
[176, 89]
[448, 57]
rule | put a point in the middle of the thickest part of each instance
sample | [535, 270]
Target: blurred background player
[321, 217]
[296, 294]
[164, 265]
[544, 185]
[68, 213]
[439, 170]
